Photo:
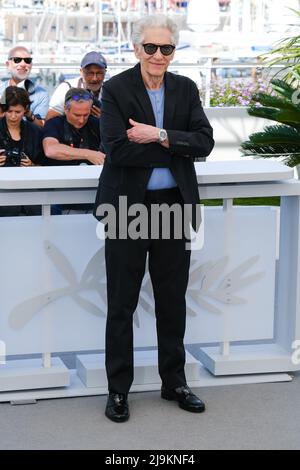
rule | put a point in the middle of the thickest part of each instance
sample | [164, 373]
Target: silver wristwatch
[162, 135]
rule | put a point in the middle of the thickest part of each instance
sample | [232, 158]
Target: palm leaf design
[208, 281]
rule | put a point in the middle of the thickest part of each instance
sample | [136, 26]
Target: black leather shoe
[117, 408]
[187, 400]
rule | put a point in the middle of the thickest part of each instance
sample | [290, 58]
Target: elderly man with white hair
[152, 128]
[19, 65]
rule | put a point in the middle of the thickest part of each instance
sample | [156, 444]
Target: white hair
[12, 52]
[154, 21]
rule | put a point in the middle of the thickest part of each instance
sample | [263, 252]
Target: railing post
[207, 81]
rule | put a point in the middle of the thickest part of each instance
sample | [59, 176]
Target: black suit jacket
[128, 165]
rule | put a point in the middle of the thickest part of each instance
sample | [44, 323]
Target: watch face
[162, 135]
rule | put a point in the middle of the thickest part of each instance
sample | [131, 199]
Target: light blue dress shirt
[38, 95]
[161, 178]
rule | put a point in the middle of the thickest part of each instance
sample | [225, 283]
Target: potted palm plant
[282, 105]
[281, 139]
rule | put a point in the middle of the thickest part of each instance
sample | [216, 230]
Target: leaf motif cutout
[95, 269]
[147, 306]
[25, 311]
[88, 306]
[213, 273]
[61, 262]
[136, 319]
[237, 273]
[239, 284]
[197, 272]
[226, 297]
[207, 306]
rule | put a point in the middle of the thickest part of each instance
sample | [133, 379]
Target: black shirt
[87, 137]
[30, 142]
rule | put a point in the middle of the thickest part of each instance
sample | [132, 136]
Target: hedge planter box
[231, 126]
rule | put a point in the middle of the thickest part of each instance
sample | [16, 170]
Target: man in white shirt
[92, 74]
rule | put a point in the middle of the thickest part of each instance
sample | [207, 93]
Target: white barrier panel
[54, 288]
[244, 283]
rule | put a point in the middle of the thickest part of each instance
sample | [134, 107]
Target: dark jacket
[31, 140]
[128, 165]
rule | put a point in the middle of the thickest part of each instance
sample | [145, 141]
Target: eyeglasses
[18, 60]
[92, 74]
[85, 96]
[165, 49]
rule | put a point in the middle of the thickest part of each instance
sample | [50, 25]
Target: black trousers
[169, 262]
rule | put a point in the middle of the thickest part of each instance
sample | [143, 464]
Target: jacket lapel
[142, 95]
[169, 111]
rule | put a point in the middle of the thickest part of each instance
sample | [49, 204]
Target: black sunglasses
[17, 60]
[165, 49]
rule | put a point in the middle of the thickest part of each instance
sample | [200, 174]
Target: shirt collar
[27, 84]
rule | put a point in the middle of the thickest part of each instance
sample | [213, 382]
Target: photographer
[74, 138]
[20, 140]
[92, 74]
[19, 66]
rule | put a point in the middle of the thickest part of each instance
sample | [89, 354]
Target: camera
[13, 157]
[96, 102]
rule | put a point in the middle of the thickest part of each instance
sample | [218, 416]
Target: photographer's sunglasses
[18, 60]
[85, 96]
[165, 49]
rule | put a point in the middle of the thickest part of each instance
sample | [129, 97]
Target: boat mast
[99, 20]
[119, 29]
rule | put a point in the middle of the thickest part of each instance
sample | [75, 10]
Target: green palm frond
[273, 101]
[283, 88]
[292, 160]
[285, 52]
[277, 135]
[296, 72]
[296, 12]
[288, 117]
[283, 107]
[269, 150]
[275, 141]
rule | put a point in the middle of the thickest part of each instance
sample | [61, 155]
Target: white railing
[206, 74]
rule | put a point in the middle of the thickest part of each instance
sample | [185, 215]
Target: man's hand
[142, 133]
[2, 159]
[25, 161]
[95, 111]
[96, 158]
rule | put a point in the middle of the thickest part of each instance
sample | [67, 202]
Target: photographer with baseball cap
[92, 74]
